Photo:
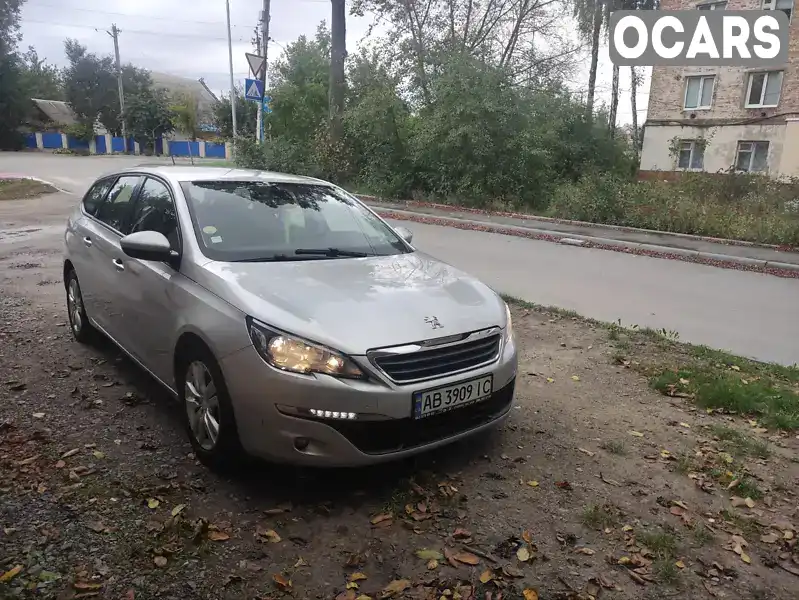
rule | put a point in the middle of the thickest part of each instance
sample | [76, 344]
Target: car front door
[103, 232]
[151, 289]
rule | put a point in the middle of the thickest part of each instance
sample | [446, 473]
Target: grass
[683, 465]
[614, 447]
[666, 571]
[747, 488]
[738, 444]
[701, 536]
[747, 526]
[18, 189]
[599, 517]
[661, 543]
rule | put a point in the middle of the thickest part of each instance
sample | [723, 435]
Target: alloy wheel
[75, 306]
[202, 405]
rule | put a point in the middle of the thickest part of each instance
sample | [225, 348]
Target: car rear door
[107, 261]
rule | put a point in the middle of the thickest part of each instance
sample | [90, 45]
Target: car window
[260, 220]
[115, 211]
[155, 211]
[95, 195]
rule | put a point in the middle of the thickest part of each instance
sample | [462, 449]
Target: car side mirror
[405, 233]
[148, 245]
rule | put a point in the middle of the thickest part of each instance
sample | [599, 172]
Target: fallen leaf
[627, 528]
[69, 453]
[527, 536]
[346, 595]
[96, 526]
[588, 452]
[735, 367]
[749, 502]
[461, 534]
[636, 433]
[60, 464]
[395, 587]
[153, 503]
[281, 581]
[745, 558]
[432, 564]
[737, 502]
[680, 564]
[686, 425]
[178, 509]
[426, 554]
[511, 571]
[97, 454]
[160, 561]
[523, 554]
[530, 594]
[684, 381]
[564, 485]
[486, 576]
[769, 538]
[301, 563]
[217, 536]
[532, 483]
[86, 586]
[10, 574]
[550, 380]
[270, 535]
[38, 415]
[381, 518]
[351, 585]
[466, 558]
[586, 551]
[357, 577]
[575, 378]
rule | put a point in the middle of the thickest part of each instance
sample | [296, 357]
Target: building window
[692, 155]
[752, 156]
[712, 6]
[699, 91]
[764, 89]
[785, 6]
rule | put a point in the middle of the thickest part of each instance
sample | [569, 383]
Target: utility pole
[338, 54]
[114, 33]
[265, 18]
[230, 58]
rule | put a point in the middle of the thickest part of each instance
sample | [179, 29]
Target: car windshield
[263, 221]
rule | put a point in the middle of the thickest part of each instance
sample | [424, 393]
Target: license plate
[449, 397]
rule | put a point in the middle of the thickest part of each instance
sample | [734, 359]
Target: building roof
[182, 85]
[56, 111]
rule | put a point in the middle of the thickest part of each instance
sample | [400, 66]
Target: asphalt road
[746, 313]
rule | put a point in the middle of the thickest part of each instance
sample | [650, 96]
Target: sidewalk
[701, 249]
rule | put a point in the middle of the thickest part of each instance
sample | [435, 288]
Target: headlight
[509, 326]
[290, 353]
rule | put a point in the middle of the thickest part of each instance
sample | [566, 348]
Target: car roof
[200, 173]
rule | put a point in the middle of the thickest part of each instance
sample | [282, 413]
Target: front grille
[381, 437]
[436, 362]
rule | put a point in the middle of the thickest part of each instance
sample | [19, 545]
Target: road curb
[586, 241]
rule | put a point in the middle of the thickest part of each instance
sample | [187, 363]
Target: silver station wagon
[292, 322]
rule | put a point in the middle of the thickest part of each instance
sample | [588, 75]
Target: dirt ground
[593, 488]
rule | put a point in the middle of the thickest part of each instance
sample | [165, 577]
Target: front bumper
[263, 399]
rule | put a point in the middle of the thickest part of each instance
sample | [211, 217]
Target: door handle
[118, 264]
[87, 241]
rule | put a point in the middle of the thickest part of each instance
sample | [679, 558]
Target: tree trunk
[338, 53]
[614, 102]
[634, 108]
[599, 12]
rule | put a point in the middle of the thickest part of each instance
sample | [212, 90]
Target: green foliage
[13, 103]
[184, 108]
[148, 116]
[739, 206]
[80, 131]
[246, 114]
[40, 80]
[249, 154]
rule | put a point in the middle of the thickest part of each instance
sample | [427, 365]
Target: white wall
[722, 144]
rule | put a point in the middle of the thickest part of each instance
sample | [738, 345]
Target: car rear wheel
[209, 418]
[78, 320]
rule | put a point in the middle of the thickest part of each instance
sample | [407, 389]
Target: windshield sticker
[216, 239]
[209, 229]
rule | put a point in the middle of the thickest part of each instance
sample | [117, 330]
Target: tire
[79, 324]
[206, 403]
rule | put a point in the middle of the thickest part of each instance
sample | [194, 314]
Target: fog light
[332, 414]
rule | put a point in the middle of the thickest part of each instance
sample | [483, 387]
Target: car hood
[356, 304]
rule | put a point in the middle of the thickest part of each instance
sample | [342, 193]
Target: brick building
[711, 119]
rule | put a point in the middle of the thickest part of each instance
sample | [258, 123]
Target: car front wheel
[78, 321]
[210, 422]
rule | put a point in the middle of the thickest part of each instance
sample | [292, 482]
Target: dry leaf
[527, 536]
[745, 558]
[270, 535]
[160, 561]
[627, 528]
[461, 534]
[426, 554]
[586, 551]
[564, 485]
[466, 558]
[588, 452]
[217, 536]
[532, 483]
[550, 380]
[523, 554]
[395, 587]
[749, 502]
[178, 509]
[357, 577]
[636, 433]
[10, 574]
[530, 594]
[680, 564]
[69, 453]
[351, 585]
[686, 425]
[98, 455]
[432, 564]
[152, 503]
[769, 538]
[575, 378]
[383, 520]
[85, 586]
[281, 581]
[486, 576]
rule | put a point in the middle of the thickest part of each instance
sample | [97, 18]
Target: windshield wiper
[332, 252]
[273, 258]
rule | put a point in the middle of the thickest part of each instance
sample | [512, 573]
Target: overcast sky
[188, 38]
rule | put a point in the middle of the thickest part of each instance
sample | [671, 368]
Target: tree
[13, 103]
[184, 108]
[40, 80]
[590, 16]
[246, 115]
[148, 117]
[338, 54]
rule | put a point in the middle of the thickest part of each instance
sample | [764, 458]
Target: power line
[140, 31]
[139, 16]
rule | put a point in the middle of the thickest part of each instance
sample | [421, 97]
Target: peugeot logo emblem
[433, 322]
